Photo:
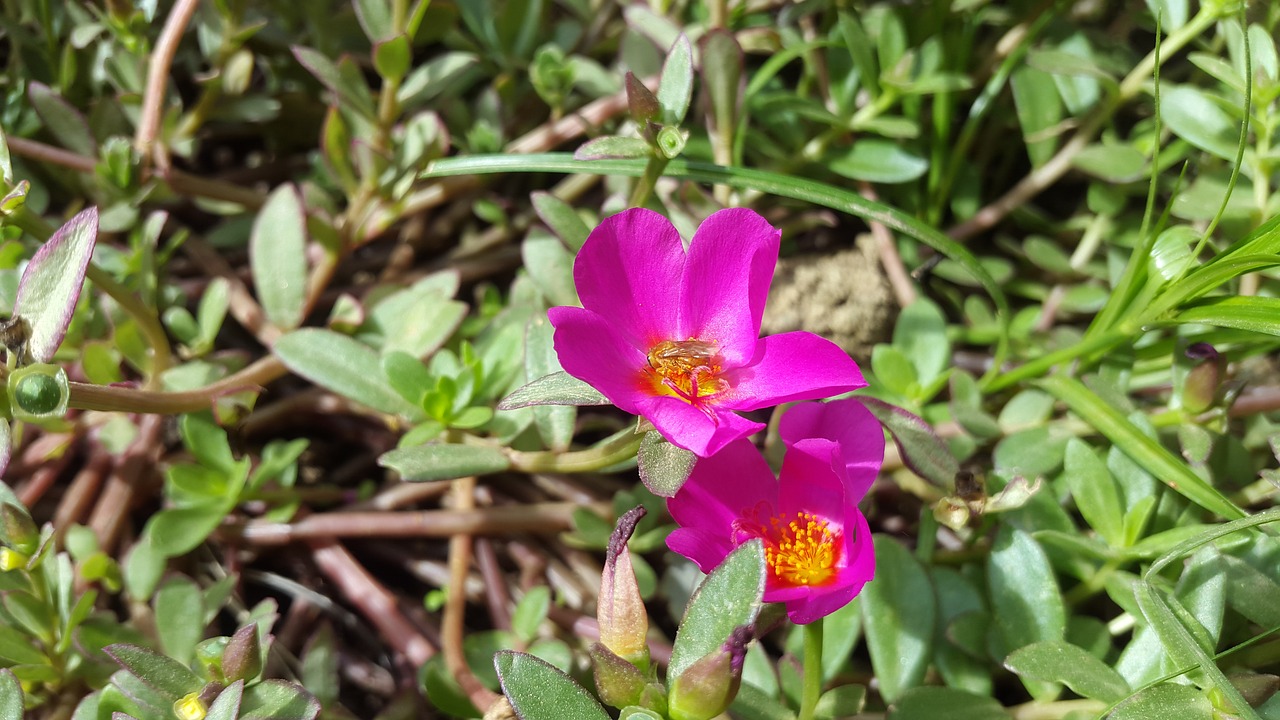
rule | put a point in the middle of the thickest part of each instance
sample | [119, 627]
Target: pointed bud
[20, 532]
[209, 656]
[1201, 389]
[620, 611]
[708, 686]
[642, 103]
[242, 660]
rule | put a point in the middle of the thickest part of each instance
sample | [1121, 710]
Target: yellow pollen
[801, 551]
[688, 369]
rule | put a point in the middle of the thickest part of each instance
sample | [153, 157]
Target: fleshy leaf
[1071, 665]
[676, 87]
[10, 697]
[164, 674]
[444, 462]
[663, 467]
[277, 257]
[538, 691]
[557, 388]
[728, 598]
[898, 610]
[279, 700]
[922, 450]
[1165, 701]
[341, 364]
[52, 281]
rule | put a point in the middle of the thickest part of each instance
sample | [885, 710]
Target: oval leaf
[51, 284]
[538, 691]
[1165, 701]
[163, 674]
[346, 366]
[10, 697]
[933, 703]
[444, 462]
[880, 161]
[557, 388]
[1024, 591]
[1061, 662]
[728, 598]
[663, 466]
[898, 610]
[277, 257]
[921, 449]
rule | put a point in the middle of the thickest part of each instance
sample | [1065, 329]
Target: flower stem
[812, 687]
[620, 447]
[644, 186]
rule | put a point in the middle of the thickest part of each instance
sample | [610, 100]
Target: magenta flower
[674, 336]
[817, 544]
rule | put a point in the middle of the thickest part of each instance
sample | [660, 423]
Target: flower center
[800, 549]
[689, 369]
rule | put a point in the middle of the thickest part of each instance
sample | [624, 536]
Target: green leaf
[227, 705]
[277, 257]
[1025, 599]
[67, 124]
[530, 612]
[393, 57]
[1039, 110]
[879, 161]
[178, 531]
[894, 370]
[10, 697]
[555, 423]
[936, 703]
[51, 284]
[167, 676]
[840, 702]
[613, 146]
[1193, 115]
[1061, 662]
[444, 462]
[921, 449]
[1115, 163]
[557, 388]
[1163, 702]
[278, 700]
[178, 604]
[343, 80]
[676, 86]
[17, 649]
[538, 691]
[1149, 454]
[722, 83]
[898, 611]
[341, 364]
[921, 334]
[550, 266]
[752, 703]
[663, 467]
[207, 442]
[727, 598]
[561, 218]
[375, 19]
[1251, 312]
[1095, 492]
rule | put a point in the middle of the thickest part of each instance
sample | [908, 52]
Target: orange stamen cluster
[803, 550]
[688, 369]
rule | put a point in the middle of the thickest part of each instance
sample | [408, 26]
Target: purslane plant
[674, 335]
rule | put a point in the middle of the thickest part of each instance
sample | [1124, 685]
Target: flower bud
[11, 559]
[190, 707]
[671, 141]
[20, 532]
[620, 611]
[1201, 388]
[641, 102]
[38, 391]
[707, 687]
[209, 655]
[242, 660]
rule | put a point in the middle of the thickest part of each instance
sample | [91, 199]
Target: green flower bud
[706, 688]
[38, 392]
[242, 659]
[209, 654]
[190, 707]
[19, 530]
[618, 682]
[1202, 387]
[671, 141]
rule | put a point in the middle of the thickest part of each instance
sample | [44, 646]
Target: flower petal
[809, 484]
[731, 261]
[849, 582]
[692, 429]
[721, 488]
[705, 548]
[792, 366]
[852, 426]
[591, 350]
[629, 272]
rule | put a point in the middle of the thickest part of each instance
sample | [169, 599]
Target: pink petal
[849, 581]
[808, 483]
[792, 366]
[731, 262]
[850, 424]
[706, 549]
[721, 488]
[629, 272]
[591, 350]
[692, 429]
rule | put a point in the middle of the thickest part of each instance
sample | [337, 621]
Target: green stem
[622, 446]
[124, 399]
[1041, 365]
[644, 187]
[812, 687]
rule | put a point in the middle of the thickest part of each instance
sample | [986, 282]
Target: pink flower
[674, 336]
[816, 541]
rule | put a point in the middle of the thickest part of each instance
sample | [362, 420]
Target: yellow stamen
[689, 369]
[801, 551]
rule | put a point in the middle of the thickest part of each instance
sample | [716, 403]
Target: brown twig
[127, 475]
[497, 599]
[372, 599]
[84, 487]
[157, 80]
[904, 290]
[540, 518]
[1258, 400]
[455, 606]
